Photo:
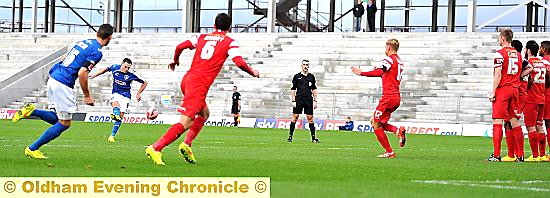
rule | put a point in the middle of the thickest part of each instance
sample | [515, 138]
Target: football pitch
[343, 165]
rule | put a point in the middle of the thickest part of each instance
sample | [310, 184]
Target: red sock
[389, 127]
[510, 143]
[173, 133]
[497, 139]
[383, 139]
[534, 143]
[194, 130]
[548, 137]
[542, 144]
[520, 141]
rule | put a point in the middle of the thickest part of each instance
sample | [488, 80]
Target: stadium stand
[447, 76]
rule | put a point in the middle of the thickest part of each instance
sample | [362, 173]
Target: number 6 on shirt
[208, 50]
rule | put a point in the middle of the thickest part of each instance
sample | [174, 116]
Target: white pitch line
[487, 185]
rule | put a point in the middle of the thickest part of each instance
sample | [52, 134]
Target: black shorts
[235, 109]
[306, 108]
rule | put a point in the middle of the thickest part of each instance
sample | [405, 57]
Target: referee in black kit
[304, 99]
[236, 105]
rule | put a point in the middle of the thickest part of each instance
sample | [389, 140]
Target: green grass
[343, 165]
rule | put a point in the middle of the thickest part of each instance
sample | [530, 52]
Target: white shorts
[123, 101]
[61, 98]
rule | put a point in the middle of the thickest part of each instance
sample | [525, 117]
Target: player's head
[348, 118]
[126, 65]
[223, 22]
[505, 37]
[531, 48]
[516, 44]
[105, 34]
[305, 66]
[234, 88]
[544, 48]
[392, 45]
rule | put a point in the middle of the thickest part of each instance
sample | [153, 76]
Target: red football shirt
[510, 61]
[391, 79]
[538, 74]
[211, 52]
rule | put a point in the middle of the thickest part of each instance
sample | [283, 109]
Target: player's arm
[378, 71]
[235, 55]
[293, 91]
[497, 74]
[141, 89]
[100, 72]
[528, 69]
[83, 80]
[190, 43]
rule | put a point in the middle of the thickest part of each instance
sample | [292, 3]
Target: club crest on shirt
[126, 77]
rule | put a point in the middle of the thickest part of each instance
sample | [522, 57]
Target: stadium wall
[278, 123]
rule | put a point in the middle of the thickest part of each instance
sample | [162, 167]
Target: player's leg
[196, 127]
[391, 106]
[308, 110]
[116, 127]
[542, 136]
[510, 142]
[116, 99]
[378, 118]
[500, 111]
[173, 133]
[63, 99]
[30, 110]
[530, 122]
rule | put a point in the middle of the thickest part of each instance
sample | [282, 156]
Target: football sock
[51, 133]
[116, 111]
[534, 143]
[389, 127]
[116, 126]
[497, 139]
[235, 118]
[548, 137]
[292, 126]
[194, 130]
[510, 142]
[520, 141]
[383, 139]
[312, 130]
[48, 116]
[173, 133]
[542, 144]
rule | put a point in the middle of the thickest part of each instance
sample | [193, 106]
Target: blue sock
[48, 135]
[115, 128]
[48, 116]
[116, 111]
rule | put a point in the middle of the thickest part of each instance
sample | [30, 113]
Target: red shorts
[385, 107]
[505, 105]
[194, 97]
[522, 100]
[533, 114]
[547, 104]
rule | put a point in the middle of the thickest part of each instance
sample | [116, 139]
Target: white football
[152, 113]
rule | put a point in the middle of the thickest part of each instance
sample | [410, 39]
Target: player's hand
[294, 104]
[92, 76]
[138, 97]
[492, 97]
[172, 66]
[356, 70]
[255, 73]
[314, 104]
[89, 100]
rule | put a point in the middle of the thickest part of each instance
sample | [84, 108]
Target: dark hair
[545, 46]
[223, 22]
[517, 45]
[305, 62]
[532, 46]
[235, 87]
[105, 31]
[127, 60]
[349, 117]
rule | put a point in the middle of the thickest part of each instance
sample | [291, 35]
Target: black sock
[312, 130]
[292, 126]
[235, 118]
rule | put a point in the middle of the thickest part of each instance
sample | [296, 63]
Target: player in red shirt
[544, 52]
[516, 144]
[211, 52]
[534, 109]
[504, 96]
[390, 69]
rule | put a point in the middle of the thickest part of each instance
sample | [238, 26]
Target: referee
[304, 99]
[236, 105]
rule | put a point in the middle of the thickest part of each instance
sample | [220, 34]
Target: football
[152, 113]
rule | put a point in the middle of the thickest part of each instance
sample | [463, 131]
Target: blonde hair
[507, 34]
[393, 43]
